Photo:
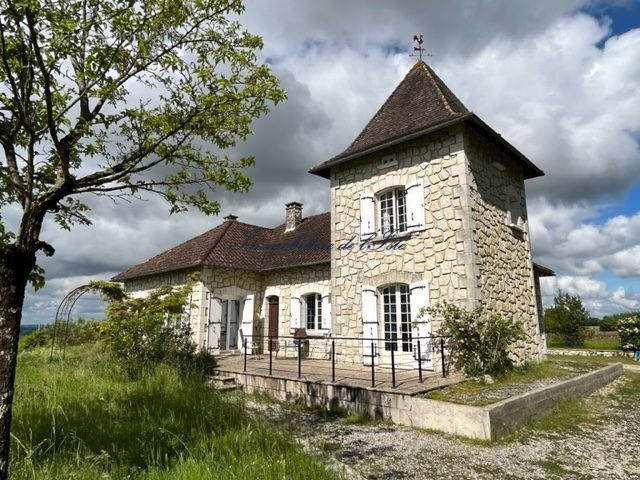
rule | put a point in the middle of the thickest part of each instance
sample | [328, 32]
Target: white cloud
[595, 294]
[532, 70]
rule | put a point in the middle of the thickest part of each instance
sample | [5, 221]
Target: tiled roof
[420, 104]
[244, 246]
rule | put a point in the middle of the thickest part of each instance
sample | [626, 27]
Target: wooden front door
[273, 322]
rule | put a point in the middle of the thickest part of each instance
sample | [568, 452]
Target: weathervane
[418, 39]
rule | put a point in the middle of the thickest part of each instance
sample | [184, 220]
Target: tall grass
[80, 418]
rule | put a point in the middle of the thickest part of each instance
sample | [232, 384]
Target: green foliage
[145, 332]
[110, 291]
[609, 323]
[120, 99]
[79, 332]
[481, 343]
[629, 331]
[81, 418]
[568, 318]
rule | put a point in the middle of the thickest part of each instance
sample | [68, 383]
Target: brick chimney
[293, 216]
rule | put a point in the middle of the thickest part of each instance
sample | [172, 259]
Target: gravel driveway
[606, 449]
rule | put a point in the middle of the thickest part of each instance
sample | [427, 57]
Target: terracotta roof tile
[244, 246]
[420, 104]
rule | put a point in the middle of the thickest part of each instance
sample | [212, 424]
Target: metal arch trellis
[62, 321]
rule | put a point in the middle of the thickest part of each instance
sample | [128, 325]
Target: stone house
[426, 205]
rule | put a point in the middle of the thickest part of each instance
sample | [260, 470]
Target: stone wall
[440, 253]
[503, 273]
[233, 283]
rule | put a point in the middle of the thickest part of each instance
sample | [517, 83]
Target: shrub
[145, 332]
[481, 343]
[629, 331]
[79, 332]
[609, 323]
[568, 318]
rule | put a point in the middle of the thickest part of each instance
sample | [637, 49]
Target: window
[393, 211]
[397, 318]
[313, 311]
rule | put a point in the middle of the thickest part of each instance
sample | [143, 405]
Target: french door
[397, 326]
[223, 325]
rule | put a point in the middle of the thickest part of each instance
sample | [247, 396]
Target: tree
[568, 318]
[114, 98]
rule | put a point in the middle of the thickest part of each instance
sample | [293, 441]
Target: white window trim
[317, 308]
[394, 200]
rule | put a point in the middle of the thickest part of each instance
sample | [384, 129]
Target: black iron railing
[424, 354]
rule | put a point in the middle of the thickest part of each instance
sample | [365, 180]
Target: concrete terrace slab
[349, 375]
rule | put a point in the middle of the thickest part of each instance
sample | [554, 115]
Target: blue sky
[560, 79]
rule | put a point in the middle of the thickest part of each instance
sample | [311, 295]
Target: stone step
[229, 388]
[221, 380]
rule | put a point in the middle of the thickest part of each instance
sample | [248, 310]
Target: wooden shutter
[414, 194]
[246, 328]
[419, 299]
[369, 324]
[294, 312]
[367, 214]
[214, 324]
[326, 313]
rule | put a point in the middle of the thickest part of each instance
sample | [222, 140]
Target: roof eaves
[321, 168]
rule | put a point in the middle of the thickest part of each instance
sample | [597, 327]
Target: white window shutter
[367, 214]
[419, 299]
[214, 324]
[369, 324]
[326, 313]
[294, 311]
[414, 193]
[246, 327]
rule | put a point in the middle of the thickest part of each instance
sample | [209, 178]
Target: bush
[610, 322]
[629, 331]
[568, 318]
[480, 343]
[79, 332]
[145, 332]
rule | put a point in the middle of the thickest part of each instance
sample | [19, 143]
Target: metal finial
[419, 40]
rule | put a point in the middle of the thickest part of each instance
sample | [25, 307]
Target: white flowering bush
[629, 330]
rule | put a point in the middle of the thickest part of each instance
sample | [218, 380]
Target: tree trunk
[15, 267]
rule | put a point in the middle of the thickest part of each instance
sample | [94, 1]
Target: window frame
[316, 324]
[399, 210]
[402, 332]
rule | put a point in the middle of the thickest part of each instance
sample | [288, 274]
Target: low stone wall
[486, 422]
[586, 352]
[513, 412]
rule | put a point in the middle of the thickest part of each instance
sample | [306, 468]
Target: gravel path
[610, 449]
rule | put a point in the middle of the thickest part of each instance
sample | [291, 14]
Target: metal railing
[424, 354]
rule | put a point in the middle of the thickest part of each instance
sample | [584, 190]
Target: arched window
[312, 309]
[397, 318]
[392, 211]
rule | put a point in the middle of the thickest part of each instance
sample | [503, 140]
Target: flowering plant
[629, 330]
[481, 343]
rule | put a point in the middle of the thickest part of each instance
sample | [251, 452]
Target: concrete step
[228, 388]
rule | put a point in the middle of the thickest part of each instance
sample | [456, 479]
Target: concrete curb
[513, 412]
[479, 422]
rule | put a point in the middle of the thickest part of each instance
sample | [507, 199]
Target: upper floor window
[393, 211]
[398, 209]
[313, 311]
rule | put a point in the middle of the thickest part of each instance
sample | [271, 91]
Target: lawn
[80, 418]
[596, 340]
[520, 380]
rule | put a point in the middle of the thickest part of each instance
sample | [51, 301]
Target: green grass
[471, 392]
[597, 341]
[80, 418]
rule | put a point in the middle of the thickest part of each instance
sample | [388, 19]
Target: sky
[560, 80]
